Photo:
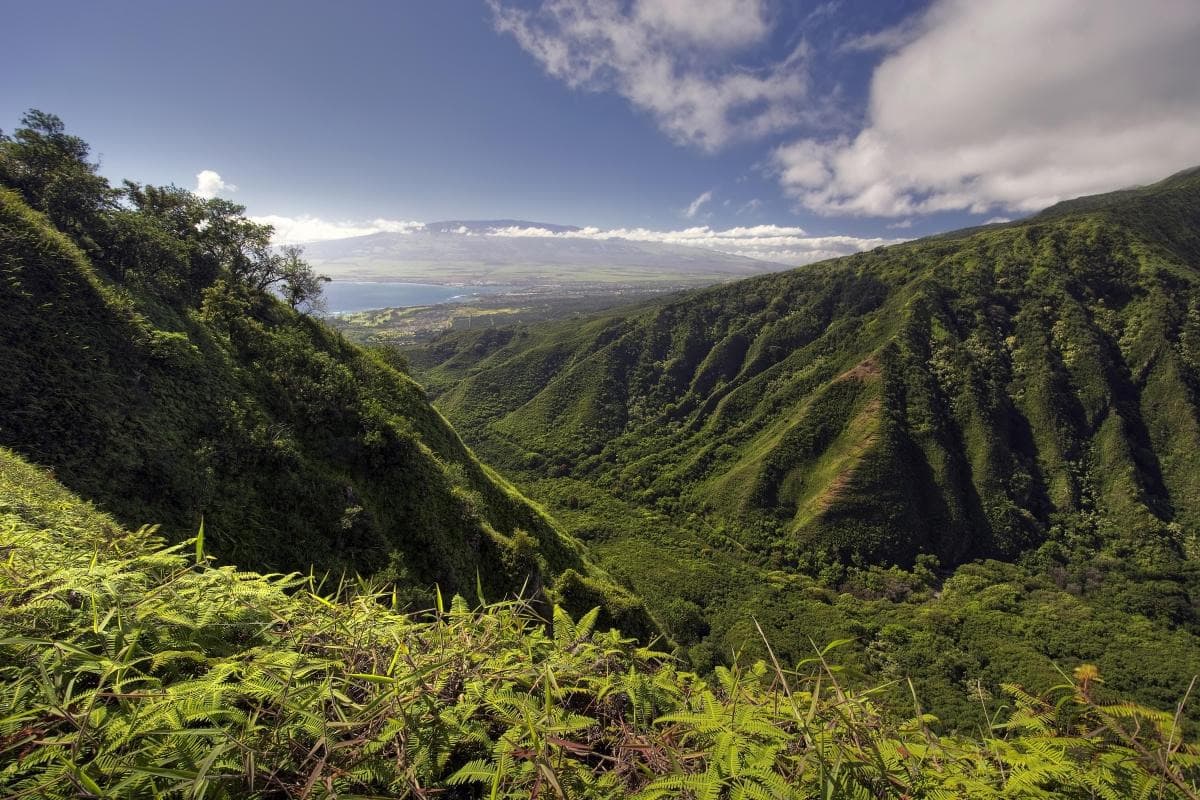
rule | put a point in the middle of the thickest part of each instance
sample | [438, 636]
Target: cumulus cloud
[209, 184]
[695, 206]
[303, 229]
[780, 244]
[675, 59]
[1013, 106]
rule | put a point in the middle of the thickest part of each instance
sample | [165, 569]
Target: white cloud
[750, 206]
[1012, 105]
[675, 59]
[887, 39]
[298, 230]
[709, 23]
[781, 244]
[695, 205]
[209, 184]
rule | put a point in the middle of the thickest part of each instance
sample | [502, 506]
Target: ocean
[343, 297]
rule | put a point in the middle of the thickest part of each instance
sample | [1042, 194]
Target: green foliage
[50, 168]
[146, 364]
[129, 669]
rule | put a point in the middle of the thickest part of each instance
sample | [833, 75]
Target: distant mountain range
[495, 251]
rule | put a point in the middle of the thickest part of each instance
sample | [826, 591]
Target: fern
[161, 676]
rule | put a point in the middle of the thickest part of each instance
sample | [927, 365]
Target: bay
[344, 297]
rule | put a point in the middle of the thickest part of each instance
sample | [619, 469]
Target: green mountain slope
[297, 449]
[976, 455]
[959, 396]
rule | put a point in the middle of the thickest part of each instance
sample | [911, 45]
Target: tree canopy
[162, 238]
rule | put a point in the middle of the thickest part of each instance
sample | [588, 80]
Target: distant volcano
[520, 252]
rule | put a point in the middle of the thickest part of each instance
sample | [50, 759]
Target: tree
[302, 287]
[50, 168]
[162, 239]
[159, 236]
[239, 245]
[218, 235]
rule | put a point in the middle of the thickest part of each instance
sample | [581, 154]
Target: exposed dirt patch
[837, 486]
[865, 370]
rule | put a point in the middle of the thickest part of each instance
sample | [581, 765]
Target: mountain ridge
[1001, 408]
[146, 365]
[702, 381]
[468, 252]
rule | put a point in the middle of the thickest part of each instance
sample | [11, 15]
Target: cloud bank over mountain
[789, 245]
[449, 240]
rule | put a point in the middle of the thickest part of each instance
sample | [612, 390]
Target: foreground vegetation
[130, 669]
[847, 462]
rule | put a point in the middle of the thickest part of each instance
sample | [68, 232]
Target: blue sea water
[343, 297]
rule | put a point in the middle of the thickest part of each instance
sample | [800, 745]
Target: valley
[881, 447]
[410, 324]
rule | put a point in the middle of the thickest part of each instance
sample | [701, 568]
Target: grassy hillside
[132, 670]
[158, 383]
[1023, 393]
[955, 396]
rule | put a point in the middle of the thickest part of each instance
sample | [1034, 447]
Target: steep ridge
[965, 395]
[296, 449]
[973, 458]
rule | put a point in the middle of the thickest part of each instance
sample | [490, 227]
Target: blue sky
[865, 119]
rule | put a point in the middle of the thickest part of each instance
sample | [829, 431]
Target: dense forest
[917, 523]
